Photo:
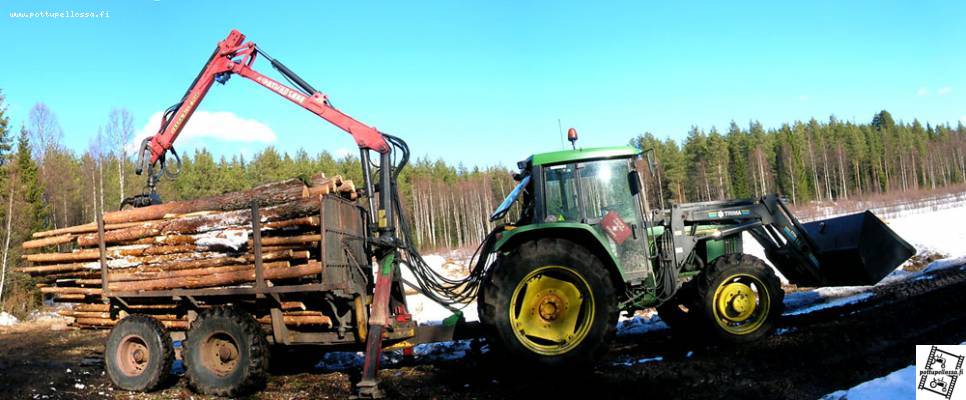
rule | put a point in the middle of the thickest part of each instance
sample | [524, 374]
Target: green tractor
[588, 245]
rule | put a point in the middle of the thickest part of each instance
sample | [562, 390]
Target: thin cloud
[944, 90]
[220, 125]
[922, 92]
[803, 98]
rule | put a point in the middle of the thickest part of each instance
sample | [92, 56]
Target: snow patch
[8, 320]
[424, 309]
[229, 238]
[897, 385]
[122, 262]
[639, 325]
[118, 263]
[425, 353]
[442, 351]
[435, 261]
[928, 229]
[794, 301]
[340, 361]
[841, 291]
[945, 264]
[828, 297]
[838, 302]
[45, 316]
[785, 331]
[640, 361]
[221, 221]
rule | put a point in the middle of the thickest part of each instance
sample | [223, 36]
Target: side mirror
[634, 181]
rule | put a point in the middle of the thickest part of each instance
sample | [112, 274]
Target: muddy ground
[815, 354]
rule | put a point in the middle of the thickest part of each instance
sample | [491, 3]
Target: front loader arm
[235, 56]
[768, 221]
[848, 250]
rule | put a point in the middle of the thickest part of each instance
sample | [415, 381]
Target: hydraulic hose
[444, 290]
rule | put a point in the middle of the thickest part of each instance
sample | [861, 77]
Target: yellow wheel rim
[551, 310]
[741, 304]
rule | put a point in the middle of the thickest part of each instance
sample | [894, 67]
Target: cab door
[608, 203]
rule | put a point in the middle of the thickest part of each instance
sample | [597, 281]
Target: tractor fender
[582, 234]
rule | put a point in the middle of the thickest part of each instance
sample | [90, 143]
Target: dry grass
[20, 296]
[922, 260]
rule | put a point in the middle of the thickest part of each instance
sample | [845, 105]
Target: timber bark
[216, 279]
[266, 195]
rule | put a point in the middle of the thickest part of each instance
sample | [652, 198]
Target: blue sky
[483, 83]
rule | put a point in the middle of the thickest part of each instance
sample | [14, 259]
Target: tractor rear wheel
[226, 353]
[549, 302]
[739, 298]
[138, 354]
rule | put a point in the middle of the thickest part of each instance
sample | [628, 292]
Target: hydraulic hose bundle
[444, 290]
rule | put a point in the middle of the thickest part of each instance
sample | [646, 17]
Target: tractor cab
[597, 188]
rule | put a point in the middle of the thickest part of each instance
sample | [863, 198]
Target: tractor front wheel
[739, 298]
[549, 302]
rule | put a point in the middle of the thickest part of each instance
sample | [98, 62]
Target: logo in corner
[939, 368]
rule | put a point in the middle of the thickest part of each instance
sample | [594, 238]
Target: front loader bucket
[857, 249]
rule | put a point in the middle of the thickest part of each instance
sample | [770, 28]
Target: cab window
[561, 195]
[604, 187]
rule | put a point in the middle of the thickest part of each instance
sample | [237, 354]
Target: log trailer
[549, 286]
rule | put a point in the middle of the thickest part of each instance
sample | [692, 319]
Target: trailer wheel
[138, 354]
[226, 353]
[739, 298]
[549, 302]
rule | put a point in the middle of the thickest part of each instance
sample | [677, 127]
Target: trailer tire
[739, 299]
[506, 295]
[138, 354]
[226, 353]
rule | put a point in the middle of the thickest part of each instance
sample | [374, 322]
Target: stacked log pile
[201, 243]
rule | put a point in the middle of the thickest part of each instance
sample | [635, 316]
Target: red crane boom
[235, 56]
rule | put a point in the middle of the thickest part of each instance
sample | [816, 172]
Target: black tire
[530, 261]
[676, 311]
[226, 353]
[738, 268]
[138, 354]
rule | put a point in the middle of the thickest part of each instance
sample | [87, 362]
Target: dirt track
[817, 353]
